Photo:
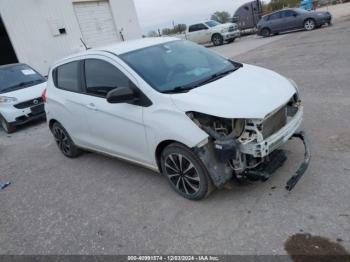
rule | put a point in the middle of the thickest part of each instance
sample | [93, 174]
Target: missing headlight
[217, 127]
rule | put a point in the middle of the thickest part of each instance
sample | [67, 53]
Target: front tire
[217, 40]
[185, 172]
[64, 142]
[8, 128]
[265, 32]
[309, 24]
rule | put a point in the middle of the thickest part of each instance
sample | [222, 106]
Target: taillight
[43, 95]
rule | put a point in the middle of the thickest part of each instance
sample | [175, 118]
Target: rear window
[67, 77]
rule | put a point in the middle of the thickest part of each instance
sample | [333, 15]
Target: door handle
[91, 106]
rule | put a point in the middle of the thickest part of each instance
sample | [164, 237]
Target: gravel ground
[100, 205]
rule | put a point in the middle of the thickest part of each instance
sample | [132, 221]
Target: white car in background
[21, 88]
[211, 31]
[178, 108]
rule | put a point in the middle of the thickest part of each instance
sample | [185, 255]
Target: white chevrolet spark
[21, 89]
[178, 108]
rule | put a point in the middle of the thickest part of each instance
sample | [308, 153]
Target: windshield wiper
[22, 84]
[179, 89]
[217, 76]
[212, 78]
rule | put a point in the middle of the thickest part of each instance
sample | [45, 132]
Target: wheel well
[309, 18]
[215, 35]
[160, 149]
[51, 123]
[266, 28]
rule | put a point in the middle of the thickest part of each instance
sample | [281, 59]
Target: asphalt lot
[100, 205]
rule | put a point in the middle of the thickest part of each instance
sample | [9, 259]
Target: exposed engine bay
[249, 149]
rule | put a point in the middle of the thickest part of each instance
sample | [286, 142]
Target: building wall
[32, 27]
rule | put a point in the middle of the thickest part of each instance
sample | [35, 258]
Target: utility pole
[259, 6]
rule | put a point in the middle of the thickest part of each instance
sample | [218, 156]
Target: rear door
[275, 22]
[116, 129]
[198, 33]
[288, 20]
[66, 101]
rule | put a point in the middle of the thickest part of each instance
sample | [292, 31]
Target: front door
[288, 20]
[275, 22]
[116, 129]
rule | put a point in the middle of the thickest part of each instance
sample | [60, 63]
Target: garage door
[96, 23]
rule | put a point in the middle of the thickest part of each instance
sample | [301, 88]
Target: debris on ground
[4, 185]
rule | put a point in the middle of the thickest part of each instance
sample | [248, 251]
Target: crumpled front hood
[250, 93]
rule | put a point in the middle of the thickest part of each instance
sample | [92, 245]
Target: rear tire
[265, 32]
[185, 172]
[8, 128]
[217, 39]
[309, 24]
[64, 142]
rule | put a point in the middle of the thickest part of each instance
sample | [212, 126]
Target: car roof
[133, 45]
[284, 9]
[124, 47]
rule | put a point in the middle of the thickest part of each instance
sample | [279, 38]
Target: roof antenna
[87, 48]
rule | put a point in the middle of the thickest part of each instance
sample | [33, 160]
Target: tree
[275, 5]
[152, 34]
[221, 17]
[167, 31]
[180, 28]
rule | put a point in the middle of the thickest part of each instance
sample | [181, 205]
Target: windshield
[212, 23]
[178, 65]
[17, 77]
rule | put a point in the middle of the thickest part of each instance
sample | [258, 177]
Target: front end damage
[250, 149]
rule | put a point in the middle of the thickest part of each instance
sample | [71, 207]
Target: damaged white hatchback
[178, 108]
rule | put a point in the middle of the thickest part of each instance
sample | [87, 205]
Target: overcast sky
[155, 14]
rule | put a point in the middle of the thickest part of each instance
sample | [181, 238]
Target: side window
[193, 28]
[67, 77]
[202, 27]
[287, 13]
[275, 16]
[102, 77]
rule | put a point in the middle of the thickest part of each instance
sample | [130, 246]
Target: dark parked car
[290, 19]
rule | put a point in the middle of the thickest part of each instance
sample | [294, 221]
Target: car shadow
[21, 128]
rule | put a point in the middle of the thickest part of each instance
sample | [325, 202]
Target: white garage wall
[124, 13]
[96, 23]
[32, 27]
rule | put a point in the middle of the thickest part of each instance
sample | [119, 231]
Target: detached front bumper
[304, 165]
[268, 146]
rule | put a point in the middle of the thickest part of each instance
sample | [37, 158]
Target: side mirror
[121, 95]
